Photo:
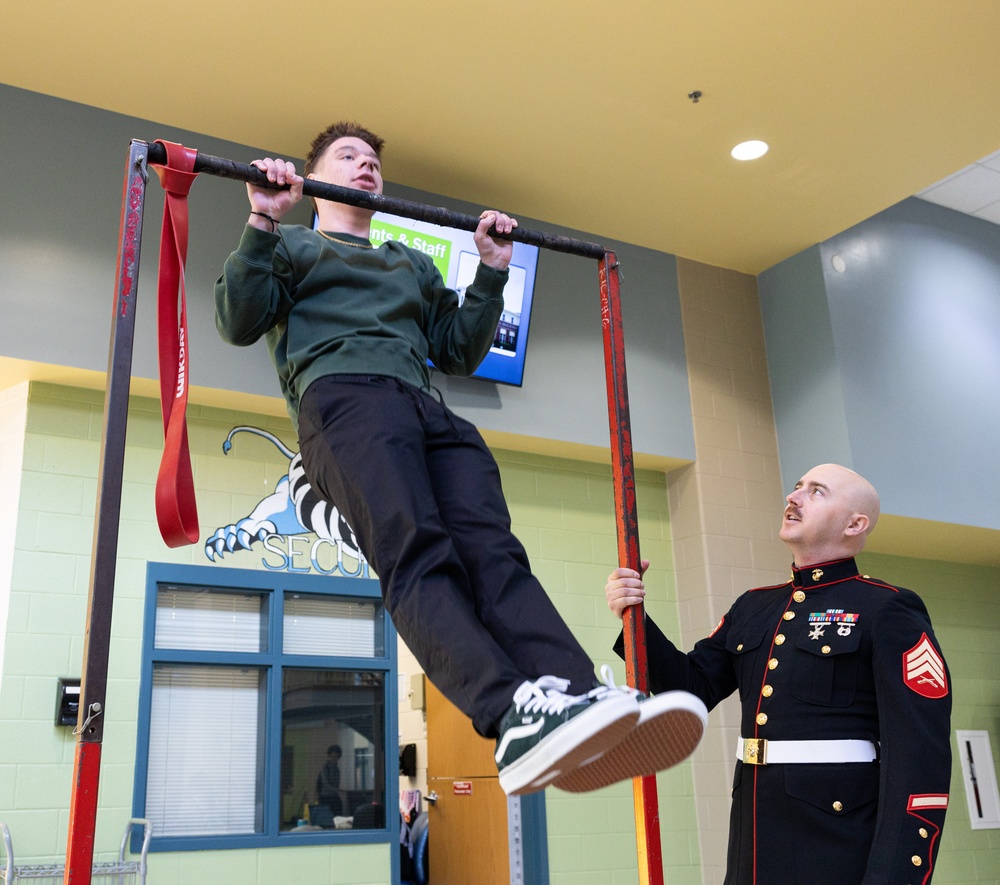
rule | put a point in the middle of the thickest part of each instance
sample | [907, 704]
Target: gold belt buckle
[755, 751]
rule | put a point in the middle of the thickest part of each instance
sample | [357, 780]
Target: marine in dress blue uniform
[844, 762]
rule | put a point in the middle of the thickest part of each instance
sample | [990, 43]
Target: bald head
[859, 493]
[829, 514]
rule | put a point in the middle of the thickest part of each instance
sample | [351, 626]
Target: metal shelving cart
[119, 872]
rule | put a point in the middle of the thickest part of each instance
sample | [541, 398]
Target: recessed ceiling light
[749, 150]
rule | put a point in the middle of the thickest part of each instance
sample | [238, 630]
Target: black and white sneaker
[670, 726]
[548, 733]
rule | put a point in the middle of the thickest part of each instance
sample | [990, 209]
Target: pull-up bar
[93, 688]
[223, 168]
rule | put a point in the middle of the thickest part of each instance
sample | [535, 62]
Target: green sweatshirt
[333, 308]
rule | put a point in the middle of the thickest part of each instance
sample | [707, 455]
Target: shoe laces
[547, 694]
[607, 686]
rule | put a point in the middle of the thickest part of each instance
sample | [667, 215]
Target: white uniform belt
[760, 751]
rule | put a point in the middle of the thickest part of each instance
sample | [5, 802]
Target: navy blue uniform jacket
[830, 655]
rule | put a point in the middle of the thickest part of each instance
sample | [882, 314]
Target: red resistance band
[176, 508]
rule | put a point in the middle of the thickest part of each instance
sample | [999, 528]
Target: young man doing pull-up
[350, 328]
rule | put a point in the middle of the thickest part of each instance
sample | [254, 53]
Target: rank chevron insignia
[923, 670]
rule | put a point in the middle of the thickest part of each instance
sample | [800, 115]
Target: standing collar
[824, 573]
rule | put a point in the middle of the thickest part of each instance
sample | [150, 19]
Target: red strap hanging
[176, 508]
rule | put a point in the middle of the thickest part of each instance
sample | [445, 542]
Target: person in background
[328, 781]
[844, 761]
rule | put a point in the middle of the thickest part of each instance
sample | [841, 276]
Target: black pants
[422, 492]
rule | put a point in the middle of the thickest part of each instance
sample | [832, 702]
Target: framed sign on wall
[980, 778]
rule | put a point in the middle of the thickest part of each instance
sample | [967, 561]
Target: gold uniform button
[779, 639]
[916, 860]
[826, 649]
[799, 596]
[788, 615]
[771, 664]
[762, 718]
[923, 833]
[767, 691]
[739, 647]
[838, 806]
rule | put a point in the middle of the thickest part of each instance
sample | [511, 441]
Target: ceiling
[974, 190]
[574, 113]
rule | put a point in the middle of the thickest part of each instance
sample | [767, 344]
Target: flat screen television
[455, 254]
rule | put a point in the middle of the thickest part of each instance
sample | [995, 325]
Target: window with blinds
[265, 709]
[321, 625]
[205, 738]
[210, 619]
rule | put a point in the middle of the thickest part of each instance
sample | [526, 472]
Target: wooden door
[467, 835]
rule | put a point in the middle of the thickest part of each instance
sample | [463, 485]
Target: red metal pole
[647, 816]
[93, 685]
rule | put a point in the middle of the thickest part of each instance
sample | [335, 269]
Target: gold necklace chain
[345, 242]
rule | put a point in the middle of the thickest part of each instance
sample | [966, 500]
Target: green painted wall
[964, 604]
[48, 601]
[563, 511]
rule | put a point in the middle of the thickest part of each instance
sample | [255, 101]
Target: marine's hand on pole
[625, 588]
[271, 205]
[495, 253]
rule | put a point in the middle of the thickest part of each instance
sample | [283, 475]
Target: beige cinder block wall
[725, 508]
